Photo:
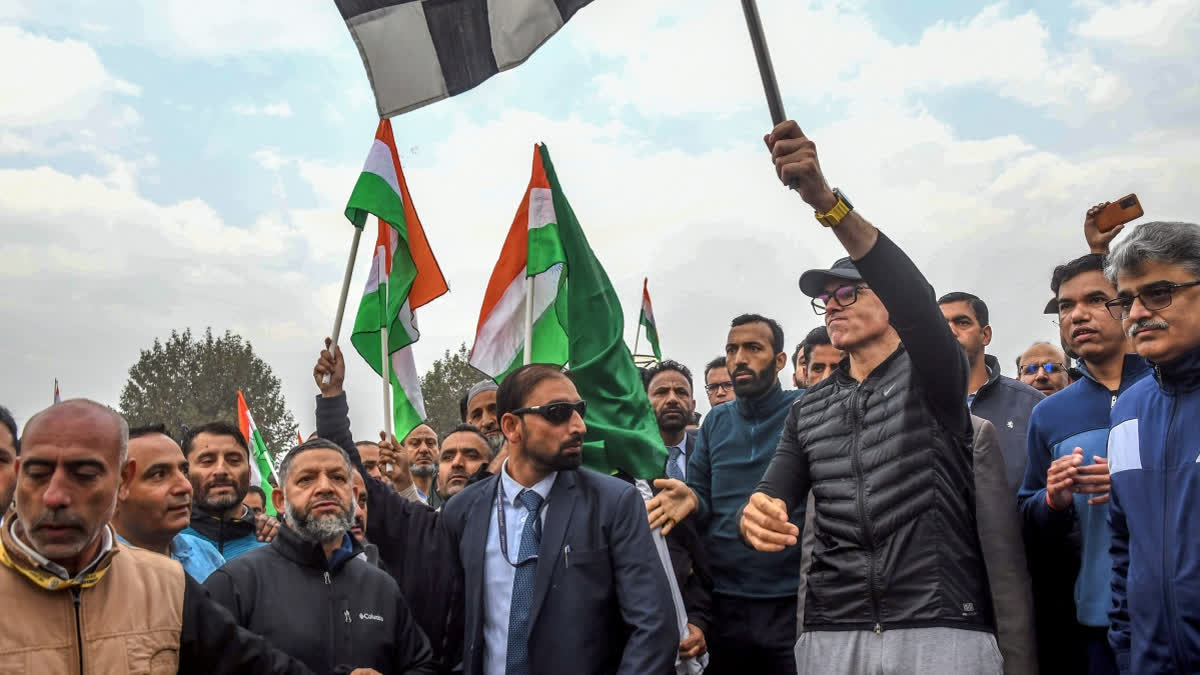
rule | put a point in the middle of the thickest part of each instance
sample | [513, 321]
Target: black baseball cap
[1051, 307]
[812, 282]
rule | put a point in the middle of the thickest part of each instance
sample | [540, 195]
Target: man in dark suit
[559, 570]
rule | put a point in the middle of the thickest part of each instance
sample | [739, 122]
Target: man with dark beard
[558, 571]
[219, 468]
[340, 610]
[669, 387]
[754, 595]
[465, 456]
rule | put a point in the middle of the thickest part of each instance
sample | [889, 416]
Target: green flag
[577, 322]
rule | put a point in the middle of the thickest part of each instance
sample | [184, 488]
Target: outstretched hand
[674, 502]
[765, 524]
[332, 365]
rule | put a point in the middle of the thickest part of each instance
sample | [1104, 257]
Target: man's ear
[781, 360]
[127, 473]
[986, 334]
[510, 424]
[277, 500]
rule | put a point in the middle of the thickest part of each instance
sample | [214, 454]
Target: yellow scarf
[52, 582]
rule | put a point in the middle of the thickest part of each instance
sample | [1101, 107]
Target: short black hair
[256, 490]
[462, 406]
[218, 428]
[801, 350]
[1092, 262]
[663, 366]
[6, 418]
[816, 336]
[468, 429]
[516, 386]
[979, 307]
[147, 430]
[718, 362]
[776, 329]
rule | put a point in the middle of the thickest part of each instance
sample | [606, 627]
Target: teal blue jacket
[734, 447]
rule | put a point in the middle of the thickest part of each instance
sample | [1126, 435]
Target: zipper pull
[327, 581]
[347, 613]
[878, 629]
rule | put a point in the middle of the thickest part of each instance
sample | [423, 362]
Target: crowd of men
[905, 507]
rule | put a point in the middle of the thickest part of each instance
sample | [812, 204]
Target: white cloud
[281, 109]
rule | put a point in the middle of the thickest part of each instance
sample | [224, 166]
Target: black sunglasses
[1050, 368]
[1154, 297]
[845, 296]
[555, 413]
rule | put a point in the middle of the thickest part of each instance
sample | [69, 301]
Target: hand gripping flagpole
[341, 310]
[765, 69]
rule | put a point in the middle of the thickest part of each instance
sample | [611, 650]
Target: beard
[424, 470]
[673, 424]
[556, 459]
[758, 385]
[318, 528]
[223, 503]
[495, 442]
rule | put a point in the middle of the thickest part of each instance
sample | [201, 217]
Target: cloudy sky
[168, 164]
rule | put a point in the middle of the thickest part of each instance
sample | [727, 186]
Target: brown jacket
[128, 622]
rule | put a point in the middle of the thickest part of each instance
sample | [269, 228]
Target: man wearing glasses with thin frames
[1154, 454]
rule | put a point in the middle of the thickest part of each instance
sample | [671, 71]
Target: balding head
[71, 466]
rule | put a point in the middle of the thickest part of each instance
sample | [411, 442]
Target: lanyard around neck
[501, 500]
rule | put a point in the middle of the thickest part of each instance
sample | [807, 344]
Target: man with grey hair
[1152, 452]
[341, 610]
[76, 597]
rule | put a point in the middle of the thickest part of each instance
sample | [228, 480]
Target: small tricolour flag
[57, 395]
[647, 321]
[260, 465]
[404, 276]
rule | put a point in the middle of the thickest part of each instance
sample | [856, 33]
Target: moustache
[358, 522]
[575, 440]
[58, 519]
[1147, 324]
[747, 371]
[457, 473]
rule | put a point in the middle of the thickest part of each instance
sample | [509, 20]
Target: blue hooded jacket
[1154, 459]
[1077, 416]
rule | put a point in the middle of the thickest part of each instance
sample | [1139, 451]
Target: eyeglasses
[716, 386]
[555, 413]
[1050, 368]
[1155, 297]
[845, 296]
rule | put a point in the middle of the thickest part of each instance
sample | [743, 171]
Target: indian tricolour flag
[404, 276]
[647, 320]
[532, 255]
[260, 465]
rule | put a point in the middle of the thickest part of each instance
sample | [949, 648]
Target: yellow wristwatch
[839, 211]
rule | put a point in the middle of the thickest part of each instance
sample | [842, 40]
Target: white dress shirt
[498, 574]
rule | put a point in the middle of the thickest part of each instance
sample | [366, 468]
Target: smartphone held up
[1122, 211]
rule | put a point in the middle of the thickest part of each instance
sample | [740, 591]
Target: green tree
[189, 380]
[444, 385]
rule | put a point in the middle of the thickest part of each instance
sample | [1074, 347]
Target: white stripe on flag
[398, 53]
[373, 276]
[520, 26]
[541, 208]
[404, 369]
[380, 162]
[502, 335]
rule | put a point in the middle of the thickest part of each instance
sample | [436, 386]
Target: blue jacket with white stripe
[1154, 460]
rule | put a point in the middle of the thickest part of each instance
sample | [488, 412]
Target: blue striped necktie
[673, 470]
[516, 661]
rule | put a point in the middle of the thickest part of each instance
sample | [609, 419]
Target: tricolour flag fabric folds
[577, 321]
[404, 276]
[417, 52]
[261, 465]
[647, 321]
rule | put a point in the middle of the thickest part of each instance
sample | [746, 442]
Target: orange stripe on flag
[515, 253]
[429, 283]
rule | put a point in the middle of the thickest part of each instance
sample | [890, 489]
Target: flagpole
[386, 362]
[341, 310]
[765, 68]
[638, 335]
[528, 320]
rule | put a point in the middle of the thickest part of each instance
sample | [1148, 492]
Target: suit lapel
[474, 548]
[558, 515]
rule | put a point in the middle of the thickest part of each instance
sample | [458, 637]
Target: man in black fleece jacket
[407, 533]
